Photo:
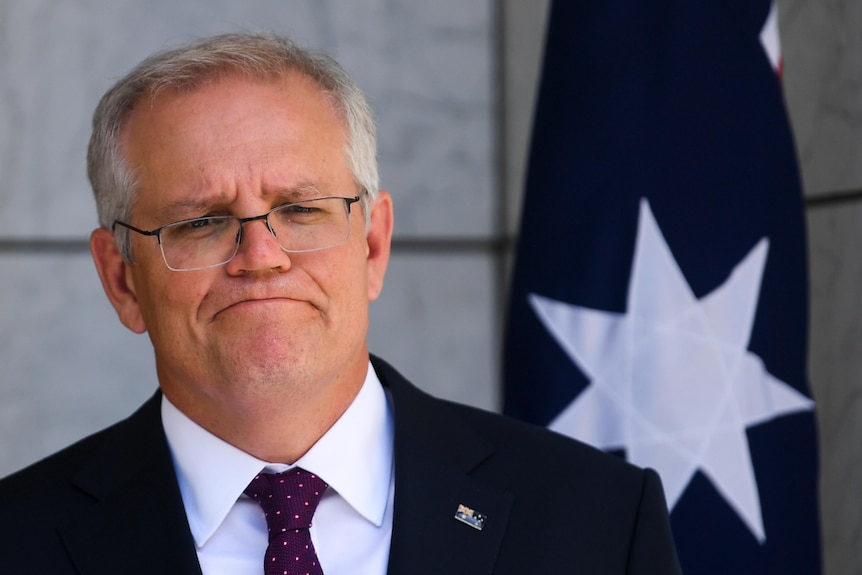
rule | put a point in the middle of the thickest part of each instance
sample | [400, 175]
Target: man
[243, 230]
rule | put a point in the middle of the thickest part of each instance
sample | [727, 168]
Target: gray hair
[256, 56]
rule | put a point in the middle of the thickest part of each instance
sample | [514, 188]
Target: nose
[258, 249]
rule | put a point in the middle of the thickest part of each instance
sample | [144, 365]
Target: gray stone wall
[823, 87]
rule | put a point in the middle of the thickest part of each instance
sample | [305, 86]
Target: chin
[263, 354]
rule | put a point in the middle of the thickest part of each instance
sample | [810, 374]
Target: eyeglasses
[201, 243]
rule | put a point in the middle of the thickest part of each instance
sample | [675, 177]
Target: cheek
[345, 284]
[170, 304]
[355, 273]
[356, 298]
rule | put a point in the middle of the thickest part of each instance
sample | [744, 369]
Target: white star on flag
[672, 381]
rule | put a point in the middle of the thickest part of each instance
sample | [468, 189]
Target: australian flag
[659, 304]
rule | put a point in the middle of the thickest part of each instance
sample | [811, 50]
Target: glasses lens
[311, 225]
[301, 227]
[200, 243]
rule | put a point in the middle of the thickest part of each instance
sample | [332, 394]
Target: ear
[116, 278]
[379, 240]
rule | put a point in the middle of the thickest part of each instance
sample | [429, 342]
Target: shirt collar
[354, 457]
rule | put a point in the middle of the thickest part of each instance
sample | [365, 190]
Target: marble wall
[453, 84]
[823, 88]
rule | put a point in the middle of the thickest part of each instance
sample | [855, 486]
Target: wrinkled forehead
[235, 135]
[226, 104]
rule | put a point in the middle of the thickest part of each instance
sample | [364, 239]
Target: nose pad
[266, 226]
[272, 231]
[256, 251]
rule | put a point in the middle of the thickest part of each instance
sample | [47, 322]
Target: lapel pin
[470, 517]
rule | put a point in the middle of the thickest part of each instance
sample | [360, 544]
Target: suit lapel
[434, 458]
[137, 523]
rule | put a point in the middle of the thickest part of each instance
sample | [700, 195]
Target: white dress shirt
[352, 526]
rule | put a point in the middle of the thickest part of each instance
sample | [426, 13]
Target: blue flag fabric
[659, 307]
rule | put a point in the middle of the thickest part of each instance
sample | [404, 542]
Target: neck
[275, 423]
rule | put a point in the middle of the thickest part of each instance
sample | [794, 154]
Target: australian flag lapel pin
[470, 517]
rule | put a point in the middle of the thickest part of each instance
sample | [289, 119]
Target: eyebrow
[194, 207]
[183, 209]
[299, 192]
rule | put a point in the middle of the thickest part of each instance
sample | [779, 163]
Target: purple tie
[288, 500]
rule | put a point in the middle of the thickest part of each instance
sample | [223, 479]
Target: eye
[303, 208]
[196, 225]
[199, 228]
[300, 213]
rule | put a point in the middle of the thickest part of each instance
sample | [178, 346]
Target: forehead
[222, 105]
[235, 131]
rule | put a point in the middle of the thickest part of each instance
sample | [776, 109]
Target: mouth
[267, 305]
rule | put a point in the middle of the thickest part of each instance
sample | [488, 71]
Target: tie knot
[288, 499]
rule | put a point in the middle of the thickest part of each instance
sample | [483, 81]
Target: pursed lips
[250, 303]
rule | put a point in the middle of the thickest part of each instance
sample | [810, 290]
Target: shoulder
[517, 446]
[52, 476]
[39, 499]
[37, 502]
[568, 499]
[522, 445]
[90, 500]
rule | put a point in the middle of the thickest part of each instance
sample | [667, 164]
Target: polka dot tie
[288, 500]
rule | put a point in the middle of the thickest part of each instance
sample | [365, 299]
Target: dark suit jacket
[110, 503]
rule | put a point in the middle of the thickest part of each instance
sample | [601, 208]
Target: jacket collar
[137, 523]
[436, 457]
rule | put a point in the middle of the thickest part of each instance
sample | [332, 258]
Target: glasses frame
[265, 217]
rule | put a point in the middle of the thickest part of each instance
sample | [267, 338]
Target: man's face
[267, 321]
